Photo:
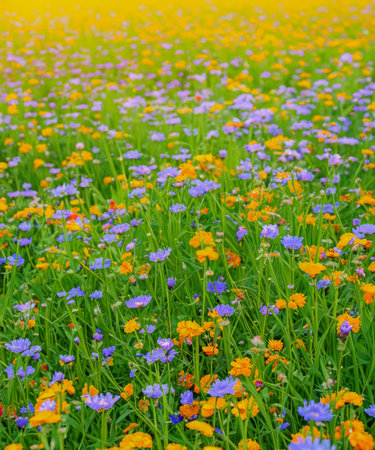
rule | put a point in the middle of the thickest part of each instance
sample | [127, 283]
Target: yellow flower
[297, 301]
[311, 268]
[207, 253]
[136, 440]
[361, 441]
[275, 345]
[204, 428]
[131, 325]
[13, 447]
[250, 445]
[241, 366]
[202, 238]
[246, 407]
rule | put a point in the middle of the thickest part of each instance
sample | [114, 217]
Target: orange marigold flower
[205, 383]
[342, 398]
[311, 268]
[189, 411]
[361, 441]
[233, 259]
[280, 303]
[173, 446]
[202, 238]
[250, 445]
[369, 290]
[207, 253]
[208, 407]
[246, 407]
[275, 345]
[188, 328]
[241, 366]
[211, 349]
[131, 325]
[128, 391]
[136, 440]
[297, 301]
[204, 428]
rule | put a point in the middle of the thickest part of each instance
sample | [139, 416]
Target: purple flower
[224, 310]
[178, 207]
[159, 255]
[100, 263]
[21, 422]
[108, 352]
[310, 444]
[315, 411]
[176, 419]
[15, 260]
[57, 377]
[48, 405]
[292, 242]
[101, 402]
[155, 390]
[323, 284]
[345, 328]
[98, 335]
[136, 302]
[171, 282]
[217, 287]
[370, 411]
[222, 387]
[67, 359]
[269, 231]
[187, 398]
[269, 310]
[96, 294]
[18, 345]
[242, 231]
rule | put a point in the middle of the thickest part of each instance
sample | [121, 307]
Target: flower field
[187, 224]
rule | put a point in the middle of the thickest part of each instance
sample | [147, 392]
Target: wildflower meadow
[187, 204]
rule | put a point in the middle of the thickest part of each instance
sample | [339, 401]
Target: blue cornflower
[156, 390]
[136, 302]
[178, 207]
[222, 387]
[187, 398]
[224, 310]
[96, 294]
[370, 411]
[176, 419]
[241, 232]
[21, 422]
[97, 336]
[15, 260]
[48, 405]
[315, 411]
[269, 231]
[159, 255]
[100, 401]
[57, 377]
[171, 282]
[18, 345]
[323, 284]
[67, 359]
[217, 287]
[108, 352]
[292, 242]
[309, 444]
[101, 263]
